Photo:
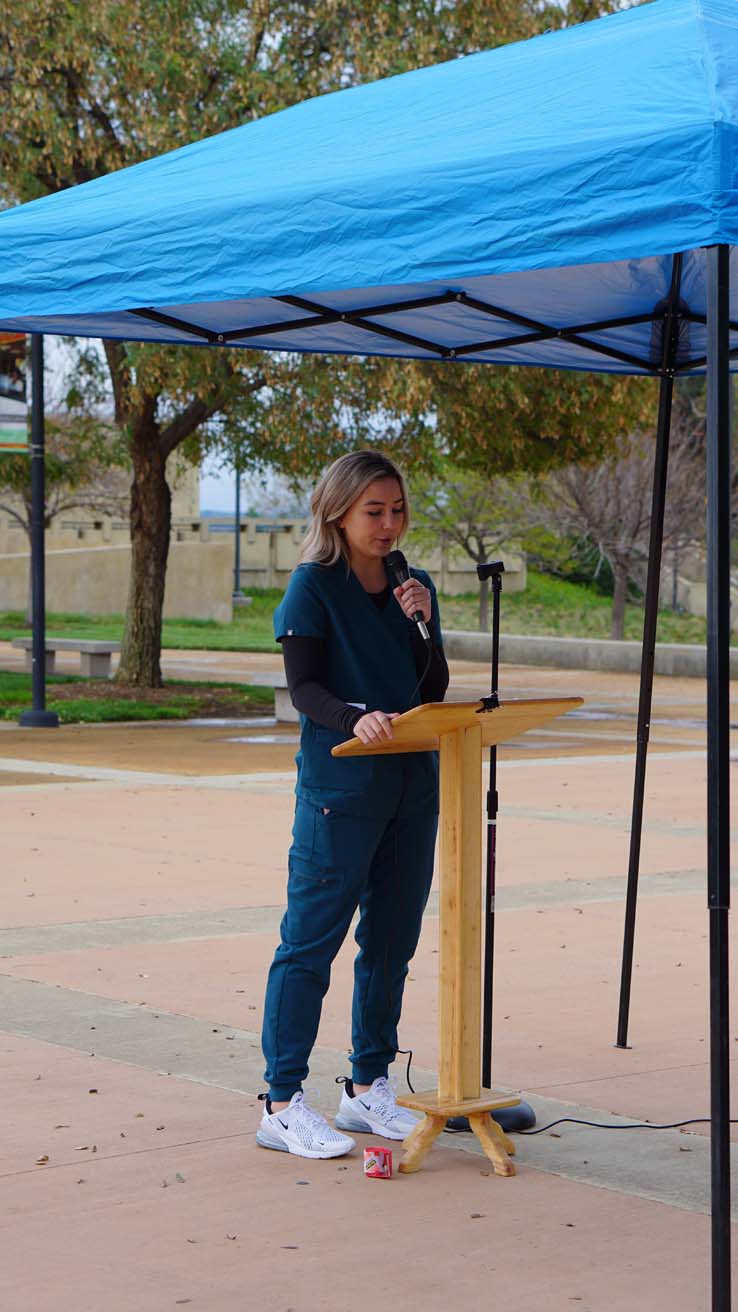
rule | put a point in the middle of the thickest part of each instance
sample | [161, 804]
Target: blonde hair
[340, 486]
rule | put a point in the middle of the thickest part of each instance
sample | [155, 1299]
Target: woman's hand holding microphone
[414, 598]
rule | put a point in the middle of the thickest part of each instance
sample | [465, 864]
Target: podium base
[437, 1110]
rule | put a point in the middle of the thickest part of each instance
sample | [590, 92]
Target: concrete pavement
[144, 879]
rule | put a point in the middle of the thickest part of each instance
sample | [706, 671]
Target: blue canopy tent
[570, 201]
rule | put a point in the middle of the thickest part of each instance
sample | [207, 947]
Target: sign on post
[13, 408]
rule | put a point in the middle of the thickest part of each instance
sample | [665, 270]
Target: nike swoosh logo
[365, 1105]
[283, 1124]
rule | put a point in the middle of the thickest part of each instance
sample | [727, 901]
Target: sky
[267, 494]
[218, 489]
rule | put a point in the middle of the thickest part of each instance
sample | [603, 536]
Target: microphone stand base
[509, 1119]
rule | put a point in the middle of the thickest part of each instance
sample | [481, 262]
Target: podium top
[421, 729]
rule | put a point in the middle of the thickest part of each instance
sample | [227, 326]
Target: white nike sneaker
[375, 1112]
[299, 1129]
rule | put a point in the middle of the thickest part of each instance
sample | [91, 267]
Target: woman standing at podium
[365, 827]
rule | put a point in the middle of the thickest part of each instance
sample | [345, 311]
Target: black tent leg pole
[38, 717]
[669, 350]
[661, 463]
[718, 753]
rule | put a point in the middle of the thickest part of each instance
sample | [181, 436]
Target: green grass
[548, 606]
[568, 610]
[102, 703]
[251, 629]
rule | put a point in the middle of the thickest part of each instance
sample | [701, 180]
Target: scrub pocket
[328, 866]
[321, 772]
[324, 847]
[337, 845]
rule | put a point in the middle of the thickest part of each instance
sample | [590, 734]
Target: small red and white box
[378, 1163]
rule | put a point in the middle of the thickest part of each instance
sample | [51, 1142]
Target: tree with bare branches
[608, 503]
[461, 508]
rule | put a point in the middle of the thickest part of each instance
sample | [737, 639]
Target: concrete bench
[94, 655]
[284, 711]
[283, 708]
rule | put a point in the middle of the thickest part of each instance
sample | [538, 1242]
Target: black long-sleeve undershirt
[305, 662]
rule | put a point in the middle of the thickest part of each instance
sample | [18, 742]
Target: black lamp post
[38, 717]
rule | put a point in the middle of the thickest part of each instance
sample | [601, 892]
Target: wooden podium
[459, 731]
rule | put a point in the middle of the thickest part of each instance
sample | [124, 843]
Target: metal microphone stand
[521, 1117]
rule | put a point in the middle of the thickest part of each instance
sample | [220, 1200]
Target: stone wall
[270, 548]
[88, 561]
[94, 580]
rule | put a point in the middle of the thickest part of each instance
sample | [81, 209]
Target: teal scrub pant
[337, 863]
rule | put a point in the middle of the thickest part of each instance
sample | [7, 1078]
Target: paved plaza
[144, 876]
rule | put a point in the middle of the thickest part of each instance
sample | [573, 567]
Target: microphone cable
[428, 658]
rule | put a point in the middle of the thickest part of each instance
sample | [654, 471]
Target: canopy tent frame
[321, 316]
[537, 191]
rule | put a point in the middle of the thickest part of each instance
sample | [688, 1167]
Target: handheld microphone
[399, 573]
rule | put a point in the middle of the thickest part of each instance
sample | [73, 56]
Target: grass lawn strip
[95, 701]
[548, 606]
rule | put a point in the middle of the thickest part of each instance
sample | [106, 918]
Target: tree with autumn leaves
[85, 90]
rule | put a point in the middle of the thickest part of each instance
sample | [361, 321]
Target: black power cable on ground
[602, 1125]
[634, 1125]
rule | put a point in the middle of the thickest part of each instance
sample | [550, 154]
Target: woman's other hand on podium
[375, 726]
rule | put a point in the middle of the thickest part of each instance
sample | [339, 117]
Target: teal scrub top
[370, 664]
